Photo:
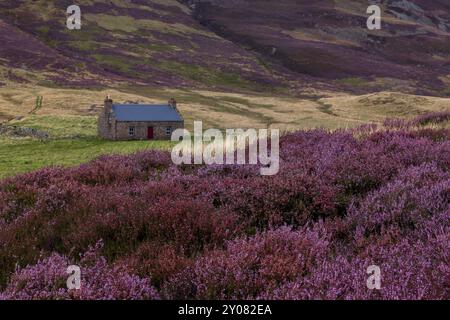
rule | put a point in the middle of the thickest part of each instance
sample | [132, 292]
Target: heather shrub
[14, 201]
[273, 201]
[433, 117]
[410, 270]
[341, 201]
[113, 168]
[123, 217]
[248, 267]
[189, 225]
[158, 261]
[99, 281]
[421, 120]
[437, 135]
[404, 206]
[396, 123]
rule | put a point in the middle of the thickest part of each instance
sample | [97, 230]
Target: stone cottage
[139, 121]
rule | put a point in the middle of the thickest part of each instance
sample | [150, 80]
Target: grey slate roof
[145, 112]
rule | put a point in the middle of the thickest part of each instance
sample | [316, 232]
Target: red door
[150, 133]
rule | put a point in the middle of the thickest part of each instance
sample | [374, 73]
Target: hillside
[329, 39]
[229, 45]
[293, 48]
[155, 43]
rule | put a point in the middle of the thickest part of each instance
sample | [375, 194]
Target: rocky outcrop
[16, 131]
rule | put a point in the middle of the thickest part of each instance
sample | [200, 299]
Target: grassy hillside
[71, 141]
[155, 43]
[18, 156]
[226, 110]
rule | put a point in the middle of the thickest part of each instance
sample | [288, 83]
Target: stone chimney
[108, 104]
[173, 103]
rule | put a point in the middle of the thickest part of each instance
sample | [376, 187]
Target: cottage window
[169, 131]
[131, 131]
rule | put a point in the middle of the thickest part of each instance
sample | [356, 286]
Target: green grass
[43, 30]
[85, 45]
[446, 91]
[72, 142]
[353, 82]
[211, 76]
[326, 108]
[23, 155]
[113, 62]
[158, 47]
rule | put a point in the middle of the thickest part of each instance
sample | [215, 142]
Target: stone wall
[106, 126]
[141, 129]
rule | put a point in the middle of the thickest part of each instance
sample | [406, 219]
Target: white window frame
[131, 131]
[168, 131]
